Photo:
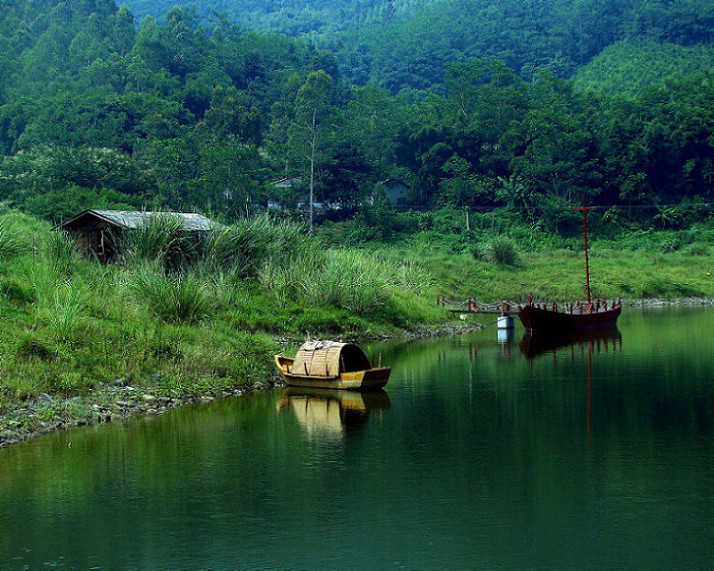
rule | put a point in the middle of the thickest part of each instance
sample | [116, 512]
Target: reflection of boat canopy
[329, 410]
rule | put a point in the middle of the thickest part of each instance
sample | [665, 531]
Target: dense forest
[524, 106]
[408, 43]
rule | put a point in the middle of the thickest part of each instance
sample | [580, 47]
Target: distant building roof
[133, 219]
[288, 183]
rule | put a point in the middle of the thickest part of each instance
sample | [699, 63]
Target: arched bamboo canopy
[329, 359]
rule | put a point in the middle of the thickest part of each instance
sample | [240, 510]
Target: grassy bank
[178, 318]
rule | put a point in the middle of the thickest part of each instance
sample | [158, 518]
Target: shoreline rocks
[107, 403]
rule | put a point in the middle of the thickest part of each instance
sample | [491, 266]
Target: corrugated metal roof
[134, 219]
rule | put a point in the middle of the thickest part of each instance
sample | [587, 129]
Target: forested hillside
[407, 43]
[291, 17]
[630, 66]
[99, 110]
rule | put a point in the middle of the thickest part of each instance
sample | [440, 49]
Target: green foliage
[469, 106]
[71, 325]
[161, 240]
[61, 254]
[244, 248]
[630, 66]
[498, 250]
[349, 281]
[29, 346]
[68, 303]
[173, 299]
[9, 245]
[16, 290]
[699, 249]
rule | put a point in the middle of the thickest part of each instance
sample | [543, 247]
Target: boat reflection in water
[608, 339]
[583, 343]
[331, 412]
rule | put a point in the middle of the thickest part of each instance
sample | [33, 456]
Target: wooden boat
[541, 318]
[579, 317]
[331, 365]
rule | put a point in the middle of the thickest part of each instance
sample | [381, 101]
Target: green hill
[631, 66]
[406, 43]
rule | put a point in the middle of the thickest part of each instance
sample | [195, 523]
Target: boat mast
[584, 209]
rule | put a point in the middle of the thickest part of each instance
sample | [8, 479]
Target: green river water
[478, 454]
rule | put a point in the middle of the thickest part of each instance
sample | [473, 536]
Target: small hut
[99, 232]
[329, 359]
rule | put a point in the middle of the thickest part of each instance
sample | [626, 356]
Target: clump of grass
[162, 239]
[64, 411]
[406, 275]
[176, 298]
[14, 290]
[288, 278]
[238, 249]
[68, 302]
[29, 346]
[699, 249]
[10, 246]
[244, 248]
[350, 281]
[499, 250]
[283, 283]
[61, 254]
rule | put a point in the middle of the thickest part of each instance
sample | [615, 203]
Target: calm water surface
[478, 454]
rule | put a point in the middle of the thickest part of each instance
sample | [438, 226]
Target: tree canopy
[477, 111]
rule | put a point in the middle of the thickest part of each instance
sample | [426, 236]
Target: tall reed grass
[161, 239]
[68, 303]
[246, 247]
[9, 244]
[171, 298]
[61, 254]
[499, 250]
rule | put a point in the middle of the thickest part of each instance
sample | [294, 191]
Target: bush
[161, 239]
[499, 250]
[172, 298]
[61, 254]
[698, 249]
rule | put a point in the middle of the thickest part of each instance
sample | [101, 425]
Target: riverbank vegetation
[176, 318]
[153, 319]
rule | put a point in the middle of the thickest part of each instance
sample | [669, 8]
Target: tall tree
[310, 129]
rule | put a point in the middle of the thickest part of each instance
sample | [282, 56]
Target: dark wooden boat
[331, 365]
[541, 318]
[580, 317]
